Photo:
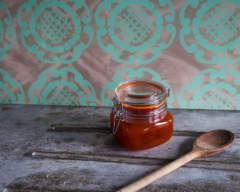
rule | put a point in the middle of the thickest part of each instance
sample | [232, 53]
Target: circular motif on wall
[63, 86]
[132, 30]
[54, 31]
[7, 33]
[11, 91]
[128, 74]
[212, 89]
[212, 34]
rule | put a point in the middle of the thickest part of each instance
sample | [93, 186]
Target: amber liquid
[138, 133]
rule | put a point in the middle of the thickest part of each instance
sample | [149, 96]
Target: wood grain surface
[50, 149]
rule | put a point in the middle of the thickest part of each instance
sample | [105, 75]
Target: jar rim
[141, 94]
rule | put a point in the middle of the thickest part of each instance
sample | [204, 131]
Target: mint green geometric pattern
[213, 32]
[131, 30]
[222, 25]
[7, 32]
[212, 89]
[11, 91]
[55, 32]
[134, 26]
[4, 98]
[63, 86]
[63, 96]
[54, 26]
[132, 74]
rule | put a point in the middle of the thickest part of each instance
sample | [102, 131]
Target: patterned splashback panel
[75, 52]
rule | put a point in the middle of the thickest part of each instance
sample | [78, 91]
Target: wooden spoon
[209, 143]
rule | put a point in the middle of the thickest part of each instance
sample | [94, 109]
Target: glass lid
[141, 93]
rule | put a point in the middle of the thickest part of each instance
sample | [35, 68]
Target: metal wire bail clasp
[118, 113]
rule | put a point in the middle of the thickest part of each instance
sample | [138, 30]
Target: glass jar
[140, 118]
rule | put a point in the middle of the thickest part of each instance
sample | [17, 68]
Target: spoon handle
[139, 184]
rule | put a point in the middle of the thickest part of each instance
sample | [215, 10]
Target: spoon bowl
[213, 142]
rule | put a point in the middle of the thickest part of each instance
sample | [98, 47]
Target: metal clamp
[117, 112]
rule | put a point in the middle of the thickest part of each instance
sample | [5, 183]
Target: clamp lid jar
[139, 118]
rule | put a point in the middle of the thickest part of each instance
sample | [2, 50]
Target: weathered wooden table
[70, 149]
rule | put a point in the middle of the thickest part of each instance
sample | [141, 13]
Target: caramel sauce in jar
[140, 119]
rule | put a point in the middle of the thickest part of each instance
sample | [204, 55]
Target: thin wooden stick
[137, 185]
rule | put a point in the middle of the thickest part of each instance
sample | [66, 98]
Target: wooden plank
[185, 120]
[102, 144]
[102, 127]
[72, 176]
[199, 163]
